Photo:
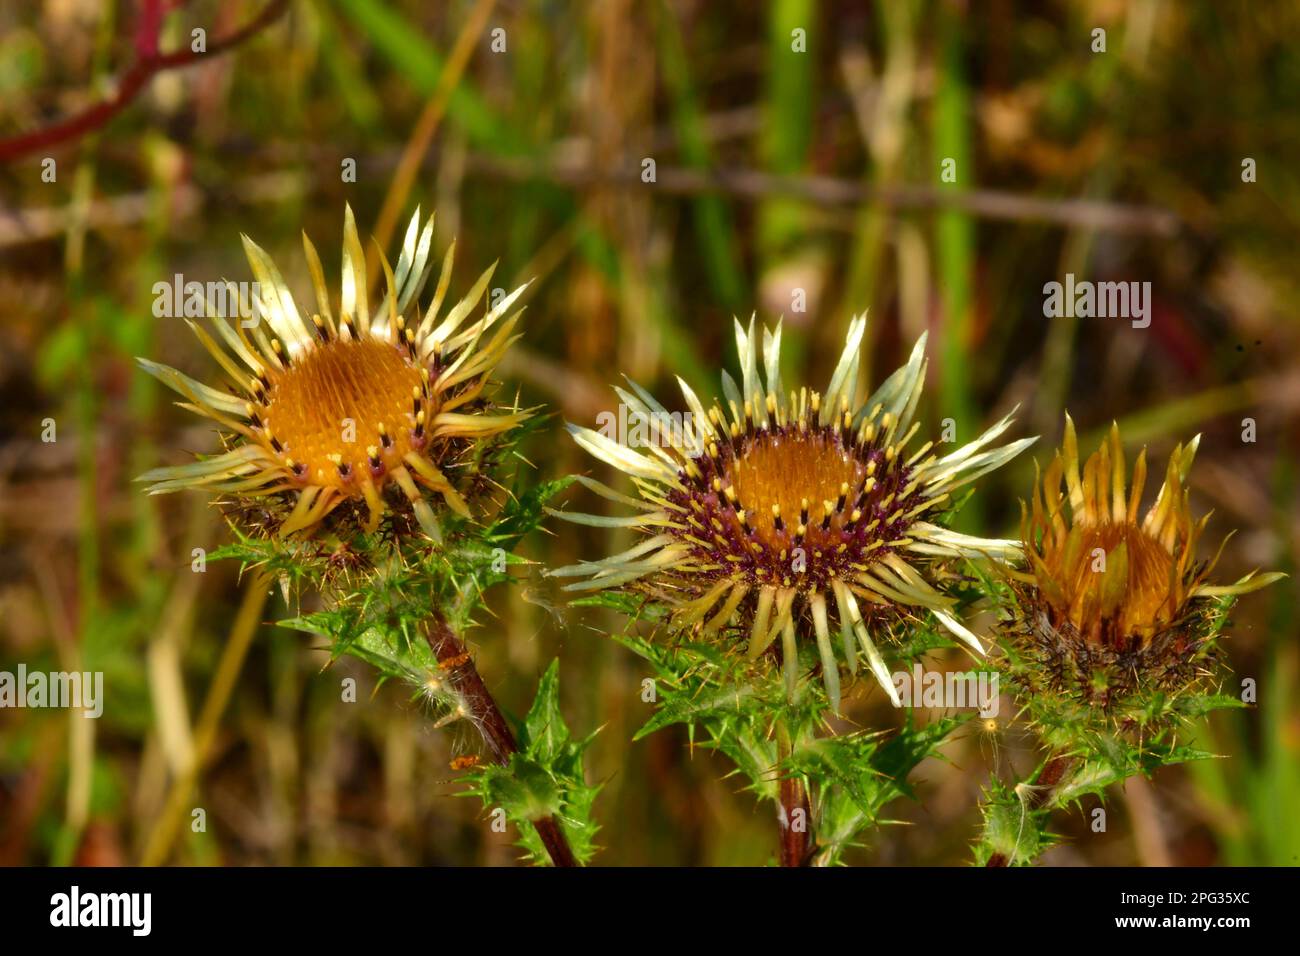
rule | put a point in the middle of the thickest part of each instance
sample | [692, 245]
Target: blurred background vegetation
[780, 165]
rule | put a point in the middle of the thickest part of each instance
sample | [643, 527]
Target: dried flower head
[371, 409]
[784, 511]
[1112, 605]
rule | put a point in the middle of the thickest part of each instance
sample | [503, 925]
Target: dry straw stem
[159, 845]
[417, 147]
[1092, 214]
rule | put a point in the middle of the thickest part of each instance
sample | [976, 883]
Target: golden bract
[325, 412]
[1112, 602]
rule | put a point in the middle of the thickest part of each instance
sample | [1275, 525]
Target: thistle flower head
[372, 408]
[785, 511]
[1113, 603]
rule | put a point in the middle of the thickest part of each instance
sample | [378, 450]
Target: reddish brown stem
[794, 819]
[450, 651]
[1053, 771]
[148, 62]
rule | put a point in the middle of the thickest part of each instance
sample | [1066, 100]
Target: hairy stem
[484, 713]
[1052, 773]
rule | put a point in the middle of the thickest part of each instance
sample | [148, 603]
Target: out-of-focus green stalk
[787, 119]
[1058, 351]
[955, 235]
[885, 128]
[1249, 799]
[81, 738]
[713, 219]
[340, 62]
[784, 141]
[421, 65]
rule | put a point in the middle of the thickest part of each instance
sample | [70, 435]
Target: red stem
[148, 62]
[491, 723]
[795, 843]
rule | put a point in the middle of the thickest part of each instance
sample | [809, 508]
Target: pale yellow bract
[327, 410]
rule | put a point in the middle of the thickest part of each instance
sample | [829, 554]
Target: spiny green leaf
[524, 512]
[1197, 705]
